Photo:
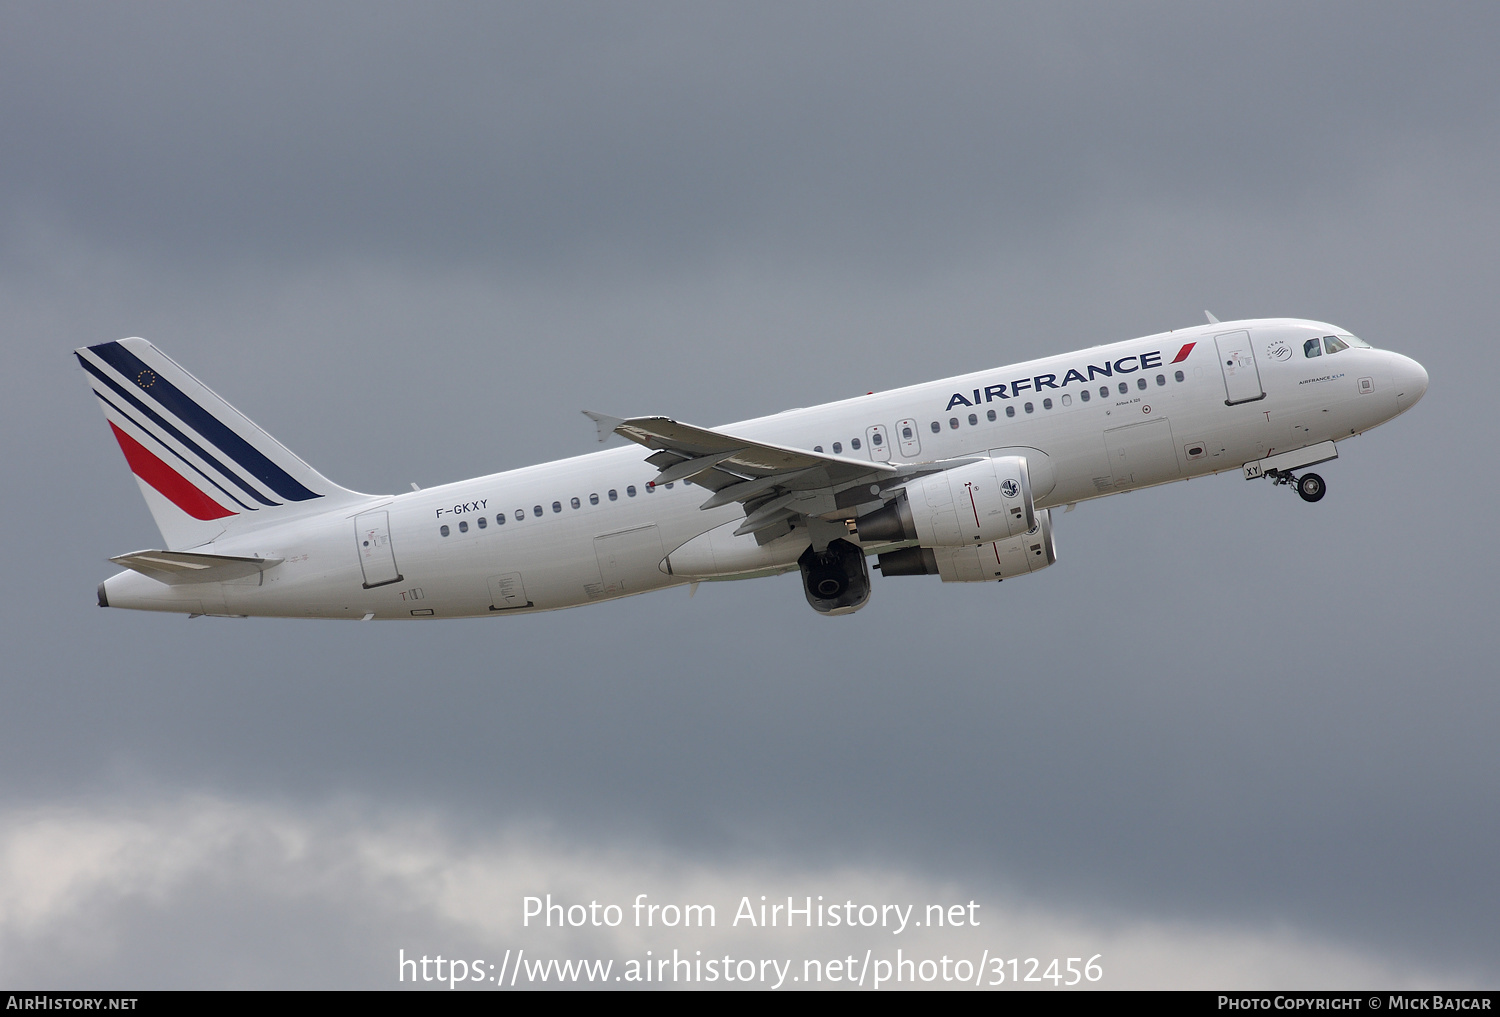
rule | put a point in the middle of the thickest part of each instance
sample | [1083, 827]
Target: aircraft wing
[774, 482]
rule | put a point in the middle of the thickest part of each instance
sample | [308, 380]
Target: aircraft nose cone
[1411, 382]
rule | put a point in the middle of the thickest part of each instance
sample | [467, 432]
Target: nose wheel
[1309, 487]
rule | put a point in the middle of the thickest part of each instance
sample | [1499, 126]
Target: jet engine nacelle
[1001, 559]
[974, 504]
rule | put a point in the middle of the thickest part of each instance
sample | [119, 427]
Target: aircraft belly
[568, 566]
[542, 570]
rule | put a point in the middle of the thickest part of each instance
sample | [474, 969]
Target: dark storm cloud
[530, 133]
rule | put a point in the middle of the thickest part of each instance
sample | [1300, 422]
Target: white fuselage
[603, 531]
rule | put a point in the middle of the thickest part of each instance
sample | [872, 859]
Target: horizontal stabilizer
[176, 568]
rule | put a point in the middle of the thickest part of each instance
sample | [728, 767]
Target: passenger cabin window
[1313, 348]
[614, 495]
[536, 510]
[990, 415]
[1029, 408]
[817, 448]
[1161, 379]
[463, 526]
[953, 423]
[876, 439]
[1046, 404]
[443, 529]
[1180, 376]
[630, 490]
[1124, 388]
[906, 434]
[520, 514]
[973, 419]
[1140, 383]
[500, 519]
[854, 443]
[481, 522]
[936, 427]
[1010, 411]
[594, 498]
[1084, 395]
[557, 506]
[1103, 391]
[576, 503]
[838, 447]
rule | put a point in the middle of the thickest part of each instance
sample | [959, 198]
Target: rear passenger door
[377, 558]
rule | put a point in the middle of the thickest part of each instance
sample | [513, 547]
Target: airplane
[954, 478]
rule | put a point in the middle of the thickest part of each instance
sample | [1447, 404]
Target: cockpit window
[1333, 344]
[1356, 341]
[1313, 347]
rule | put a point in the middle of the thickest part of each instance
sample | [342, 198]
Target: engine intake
[974, 504]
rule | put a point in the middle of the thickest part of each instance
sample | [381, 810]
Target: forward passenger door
[1237, 362]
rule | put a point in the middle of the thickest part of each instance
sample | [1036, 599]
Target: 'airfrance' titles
[1124, 365]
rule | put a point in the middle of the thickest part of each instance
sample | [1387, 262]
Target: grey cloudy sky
[1229, 739]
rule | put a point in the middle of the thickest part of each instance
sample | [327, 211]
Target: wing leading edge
[775, 483]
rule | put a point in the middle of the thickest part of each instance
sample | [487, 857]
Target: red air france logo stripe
[1182, 354]
[167, 480]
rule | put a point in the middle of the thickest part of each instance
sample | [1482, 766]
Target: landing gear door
[377, 558]
[1237, 361]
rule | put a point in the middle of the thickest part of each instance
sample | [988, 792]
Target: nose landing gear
[1309, 486]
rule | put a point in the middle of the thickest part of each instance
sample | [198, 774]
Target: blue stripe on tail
[228, 442]
[161, 422]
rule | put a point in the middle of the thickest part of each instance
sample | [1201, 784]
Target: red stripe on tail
[167, 480]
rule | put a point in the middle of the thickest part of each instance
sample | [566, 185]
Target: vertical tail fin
[202, 466]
